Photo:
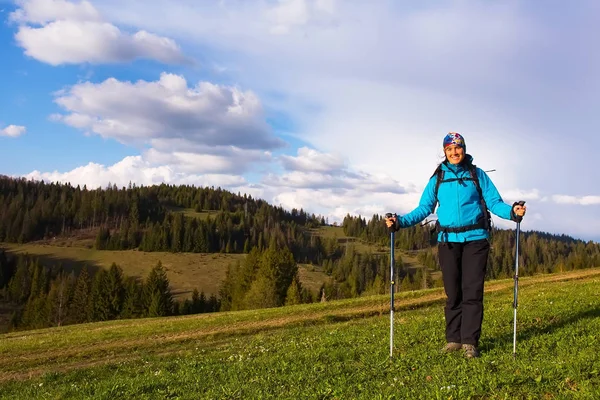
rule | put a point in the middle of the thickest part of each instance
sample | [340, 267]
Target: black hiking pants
[463, 268]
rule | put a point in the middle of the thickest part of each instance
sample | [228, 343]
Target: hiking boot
[451, 346]
[470, 351]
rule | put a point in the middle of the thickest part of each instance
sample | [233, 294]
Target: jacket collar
[457, 168]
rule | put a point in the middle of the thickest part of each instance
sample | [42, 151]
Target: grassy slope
[326, 350]
[186, 271]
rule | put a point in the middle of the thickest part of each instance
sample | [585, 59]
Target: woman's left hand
[519, 210]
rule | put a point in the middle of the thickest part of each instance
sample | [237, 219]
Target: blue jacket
[459, 203]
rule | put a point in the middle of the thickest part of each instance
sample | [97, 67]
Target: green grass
[334, 350]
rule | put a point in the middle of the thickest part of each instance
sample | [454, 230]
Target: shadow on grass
[47, 260]
[528, 332]
[69, 265]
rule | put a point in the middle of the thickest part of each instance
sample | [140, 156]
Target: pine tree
[57, 300]
[98, 303]
[177, 233]
[157, 295]
[262, 294]
[5, 269]
[79, 304]
[227, 287]
[35, 313]
[280, 266]
[405, 285]
[198, 302]
[115, 291]
[245, 274]
[133, 303]
[102, 238]
[203, 305]
[293, 293]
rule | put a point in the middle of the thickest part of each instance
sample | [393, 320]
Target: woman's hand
[391, 221]
[519, 210]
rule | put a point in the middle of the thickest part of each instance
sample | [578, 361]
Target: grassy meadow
[332, 350]
[186, 271]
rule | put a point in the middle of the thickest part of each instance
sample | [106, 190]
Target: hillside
[178, 250]
[186, 271]
[336, 349]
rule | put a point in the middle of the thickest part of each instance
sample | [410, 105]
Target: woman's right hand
[390, 222]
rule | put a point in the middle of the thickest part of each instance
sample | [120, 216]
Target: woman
[464, 193]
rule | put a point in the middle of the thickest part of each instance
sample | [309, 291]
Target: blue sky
[336, 107]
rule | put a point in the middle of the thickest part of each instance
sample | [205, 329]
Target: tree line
[149, 218]
[540, 252]
[44, 295]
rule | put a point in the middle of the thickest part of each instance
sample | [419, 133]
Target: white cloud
[136, 170]
[44, 11]
[207, 128]
[336, 204]
[366, 183]
[223, 160]
[288, 14]
[312, 160]
[61, 32]
[511, 196]
[13, 131]
[578, 200]
[168, 110]
[318, 170]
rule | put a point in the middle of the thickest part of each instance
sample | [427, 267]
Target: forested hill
[155, 218]
[133, 217]
[353, 259]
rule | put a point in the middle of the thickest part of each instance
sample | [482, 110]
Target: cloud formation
[168, 110]
[13, 131]
[62, 32]
[578, 200]
[206, 128]
[133, 169]
[311, 160]
[312, 169]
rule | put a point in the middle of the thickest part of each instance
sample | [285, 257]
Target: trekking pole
[391, 229]
[516, 290]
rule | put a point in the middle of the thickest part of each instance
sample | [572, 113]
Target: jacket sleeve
[425, 207]
[492, 198]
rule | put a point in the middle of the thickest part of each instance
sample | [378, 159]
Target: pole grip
[392, 228]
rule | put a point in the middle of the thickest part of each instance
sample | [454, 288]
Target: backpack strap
[439, 178]
[475, 178]
[487, 218]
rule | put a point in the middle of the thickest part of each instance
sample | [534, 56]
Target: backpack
[485, 222]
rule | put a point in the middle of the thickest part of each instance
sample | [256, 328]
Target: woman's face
[455, 154]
